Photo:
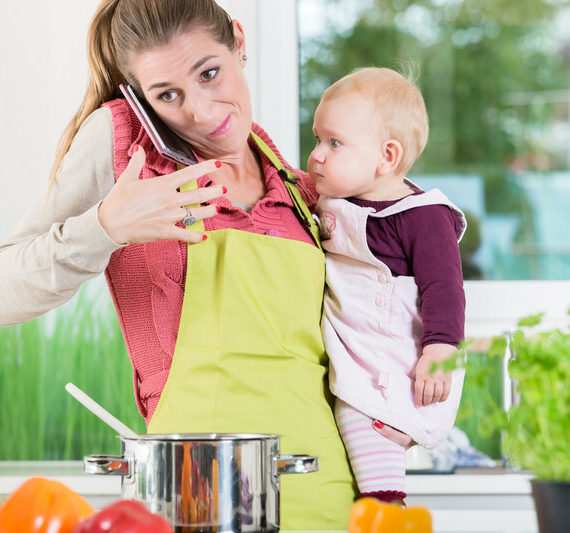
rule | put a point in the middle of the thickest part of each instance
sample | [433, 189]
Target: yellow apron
[249, 358]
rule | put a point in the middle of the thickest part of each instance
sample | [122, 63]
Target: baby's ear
[390, 156]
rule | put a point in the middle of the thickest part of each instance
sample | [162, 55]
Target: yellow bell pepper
[369, 515]
[42, 505]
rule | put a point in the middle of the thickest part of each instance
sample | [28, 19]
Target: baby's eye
[335, 143]
[317, 141]
[168, 96]
[209, 74]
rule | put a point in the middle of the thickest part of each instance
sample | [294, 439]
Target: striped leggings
[378, 463]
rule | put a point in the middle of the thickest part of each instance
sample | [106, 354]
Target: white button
[379, 301]
[382, 278]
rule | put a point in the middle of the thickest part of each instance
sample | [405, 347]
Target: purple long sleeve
[422, 242]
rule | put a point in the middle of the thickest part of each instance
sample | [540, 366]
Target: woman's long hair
[122, 28]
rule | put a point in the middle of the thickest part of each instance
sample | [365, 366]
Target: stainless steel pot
[215, 482]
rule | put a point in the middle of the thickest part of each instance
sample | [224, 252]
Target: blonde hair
[122, 28]
[398, 106]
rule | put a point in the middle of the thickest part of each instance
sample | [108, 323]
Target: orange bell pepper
[369, 515]
[42, 505]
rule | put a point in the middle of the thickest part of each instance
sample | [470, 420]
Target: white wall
[42, 78]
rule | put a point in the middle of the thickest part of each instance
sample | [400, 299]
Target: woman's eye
[209, 74]
[168, 96]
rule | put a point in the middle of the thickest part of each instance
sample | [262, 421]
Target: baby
[394, 302]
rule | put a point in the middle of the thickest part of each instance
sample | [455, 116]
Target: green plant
[536, 427]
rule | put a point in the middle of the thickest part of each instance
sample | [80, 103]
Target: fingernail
[377, 424]
[218, 208]
[136, 148]
[204, 237]
[218, 164]
[224, 189]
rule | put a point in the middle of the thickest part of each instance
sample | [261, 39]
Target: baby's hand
[432, 387]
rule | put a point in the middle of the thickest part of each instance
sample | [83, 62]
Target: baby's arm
[432, 387]
[432, 246]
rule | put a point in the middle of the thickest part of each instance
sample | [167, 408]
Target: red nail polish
[224, 189]
[204, 237]
[218, 208]
[377, 424]
[218, 164]
[136, 148]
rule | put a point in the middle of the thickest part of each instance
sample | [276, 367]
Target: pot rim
[199, 437]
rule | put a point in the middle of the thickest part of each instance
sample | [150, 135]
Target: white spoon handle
[98, 411]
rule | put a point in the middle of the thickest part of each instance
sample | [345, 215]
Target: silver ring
[188, 220]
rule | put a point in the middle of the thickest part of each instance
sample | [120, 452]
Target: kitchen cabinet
[468, 501]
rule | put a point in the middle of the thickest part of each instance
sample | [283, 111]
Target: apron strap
[290, 179]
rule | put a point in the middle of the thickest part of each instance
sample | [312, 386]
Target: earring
[244, 57]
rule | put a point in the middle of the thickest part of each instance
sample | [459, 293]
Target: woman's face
[198, 88]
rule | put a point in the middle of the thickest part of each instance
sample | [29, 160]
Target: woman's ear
[390, 156]
[239, 37]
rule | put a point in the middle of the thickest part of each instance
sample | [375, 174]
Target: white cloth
[372, 324]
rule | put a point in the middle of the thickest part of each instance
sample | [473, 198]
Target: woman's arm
[68, 239]
[59, 243]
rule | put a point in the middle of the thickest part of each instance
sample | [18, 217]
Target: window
[495, 77]
[496, 80]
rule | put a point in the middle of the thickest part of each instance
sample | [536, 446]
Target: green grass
[81, 343]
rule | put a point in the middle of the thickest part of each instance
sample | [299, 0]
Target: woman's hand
[432, 387]
[138, 210]
[393, 434]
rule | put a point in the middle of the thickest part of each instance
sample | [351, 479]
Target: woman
[221, 320]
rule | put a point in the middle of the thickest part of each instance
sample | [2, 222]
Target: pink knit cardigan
[147, 280]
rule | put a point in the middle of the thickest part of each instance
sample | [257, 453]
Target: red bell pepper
[124, 516]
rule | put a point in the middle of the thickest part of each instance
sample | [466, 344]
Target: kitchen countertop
[470, 500]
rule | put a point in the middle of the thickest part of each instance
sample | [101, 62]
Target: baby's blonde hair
[398, 104]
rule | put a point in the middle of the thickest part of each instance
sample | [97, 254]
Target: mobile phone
[167, 143]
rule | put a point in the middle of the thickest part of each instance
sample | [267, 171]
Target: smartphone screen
[167, 143]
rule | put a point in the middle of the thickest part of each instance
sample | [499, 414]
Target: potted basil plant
[536, 427]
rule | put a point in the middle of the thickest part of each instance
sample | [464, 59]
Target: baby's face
[348, 147]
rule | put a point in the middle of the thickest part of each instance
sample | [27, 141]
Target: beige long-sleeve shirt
[59, 243]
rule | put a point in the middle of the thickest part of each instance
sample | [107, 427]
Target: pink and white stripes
[378, 463]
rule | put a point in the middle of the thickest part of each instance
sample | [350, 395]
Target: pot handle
[112, 465]
[295, 464]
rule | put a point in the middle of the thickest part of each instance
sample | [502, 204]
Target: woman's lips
[222, 128]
